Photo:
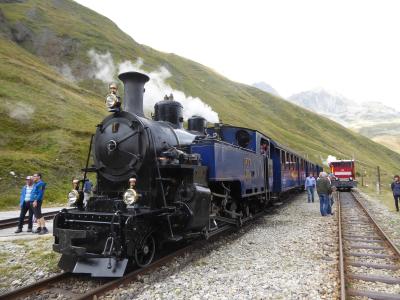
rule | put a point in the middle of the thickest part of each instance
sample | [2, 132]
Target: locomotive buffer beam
[65, 237]
[77, 260]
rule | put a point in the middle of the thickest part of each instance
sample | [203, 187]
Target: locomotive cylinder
[133, 91]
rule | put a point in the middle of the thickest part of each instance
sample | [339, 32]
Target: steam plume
[20, 111]
[104, 69]
[66, 71]
[329, 159]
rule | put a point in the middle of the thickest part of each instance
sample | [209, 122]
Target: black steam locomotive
[158, 183]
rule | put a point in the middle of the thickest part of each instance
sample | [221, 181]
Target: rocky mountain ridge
[266, 88]
[372, 119]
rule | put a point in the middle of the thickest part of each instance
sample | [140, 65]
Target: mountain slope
[52, 97]
[372, 119]
[266, 88]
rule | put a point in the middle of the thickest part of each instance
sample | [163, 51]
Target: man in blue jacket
[37, 199]
[396, 191]
[25, 204]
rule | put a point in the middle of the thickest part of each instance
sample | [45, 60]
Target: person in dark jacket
[37, 199]
[396, 190]
[323, 191]
[25, 204]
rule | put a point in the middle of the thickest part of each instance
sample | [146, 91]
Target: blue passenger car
[252, 162]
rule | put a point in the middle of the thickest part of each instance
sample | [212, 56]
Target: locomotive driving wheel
[144, 253]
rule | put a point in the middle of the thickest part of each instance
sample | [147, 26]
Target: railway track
[80, 287]
[369, 262]
[13, 222]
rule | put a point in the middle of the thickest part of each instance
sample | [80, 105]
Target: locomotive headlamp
[112, 101]
[351, 178]
[73, 197]
[130, 196]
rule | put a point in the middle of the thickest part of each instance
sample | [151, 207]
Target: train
[158, 183]
[344, 174]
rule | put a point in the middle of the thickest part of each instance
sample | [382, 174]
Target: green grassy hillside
[46, 121]
[387, 134]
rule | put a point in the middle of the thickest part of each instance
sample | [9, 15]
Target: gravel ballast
[288, 254]
[291, 254]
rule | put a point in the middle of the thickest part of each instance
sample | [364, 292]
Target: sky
[351, 47]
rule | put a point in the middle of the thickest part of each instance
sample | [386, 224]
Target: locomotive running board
[100, 267]
[227, 220]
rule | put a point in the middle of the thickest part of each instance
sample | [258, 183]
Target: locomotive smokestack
[134, 88]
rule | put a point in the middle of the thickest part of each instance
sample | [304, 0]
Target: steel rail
[342, 260]
[34, 287]
[379, 229]
[13, 222]
[341, 254]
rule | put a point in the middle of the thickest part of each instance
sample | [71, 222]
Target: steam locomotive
[158, 183]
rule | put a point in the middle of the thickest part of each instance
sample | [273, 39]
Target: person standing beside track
[87, 191]
[331, 178]
[323, 189]
[395, 186]
[26, 205]
[37, 199]
[310, 187]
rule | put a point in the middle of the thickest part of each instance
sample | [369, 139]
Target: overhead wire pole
[362, 178]
[378, 183]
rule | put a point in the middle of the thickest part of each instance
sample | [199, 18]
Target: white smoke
[127, 66]
[157, 88]
[329, 159]
[66, 72]
[20, 111]
[103, 68]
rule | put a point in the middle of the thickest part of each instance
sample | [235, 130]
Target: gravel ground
[291, 254]
[390, 223]
[25, 261]
[288, 255]
[387, 219]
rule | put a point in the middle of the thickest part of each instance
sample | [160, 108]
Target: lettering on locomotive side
[247, 162]
[247, 166]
